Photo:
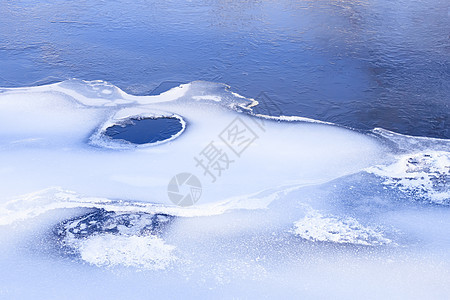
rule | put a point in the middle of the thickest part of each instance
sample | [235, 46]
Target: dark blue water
[143, 131]
[364, 64]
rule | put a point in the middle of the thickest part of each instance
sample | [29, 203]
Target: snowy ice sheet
[304, 205]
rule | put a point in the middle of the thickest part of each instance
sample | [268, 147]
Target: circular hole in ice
[145, 130]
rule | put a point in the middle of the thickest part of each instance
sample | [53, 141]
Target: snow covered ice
[304, 205]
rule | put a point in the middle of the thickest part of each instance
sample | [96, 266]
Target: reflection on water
[365, 64]
[147, 130]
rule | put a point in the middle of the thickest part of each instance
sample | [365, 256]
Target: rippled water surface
[363, 64]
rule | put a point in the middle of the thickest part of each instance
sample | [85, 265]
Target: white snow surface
[306, 209]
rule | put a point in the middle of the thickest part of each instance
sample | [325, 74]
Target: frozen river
[224, 149]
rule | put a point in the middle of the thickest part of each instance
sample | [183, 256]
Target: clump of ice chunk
[425, 175]
[106, 238]
[319, 228]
